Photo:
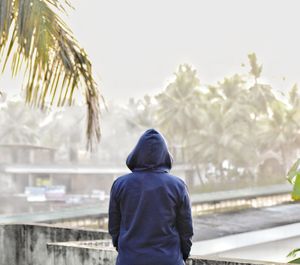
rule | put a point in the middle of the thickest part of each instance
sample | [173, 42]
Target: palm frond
[33, 34]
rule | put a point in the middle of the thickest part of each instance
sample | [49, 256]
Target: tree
[178, 107]
[64, 129]
[35, 39]
[255, 68]
[19, 124]
[141, 113]
[221, 142]
[279, 132]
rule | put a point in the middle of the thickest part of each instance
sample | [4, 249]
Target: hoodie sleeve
[114, 216]
[184, 224]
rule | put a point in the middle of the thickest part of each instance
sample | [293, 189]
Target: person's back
[149, 213]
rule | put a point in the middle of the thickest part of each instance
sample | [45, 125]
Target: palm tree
[223, 139]
[141, 113]
[280, 132]
[19, 124]
[178, 108]
[64, 131]
[35, 39]
[260, 96]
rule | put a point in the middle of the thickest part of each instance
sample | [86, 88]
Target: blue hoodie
[149, 212]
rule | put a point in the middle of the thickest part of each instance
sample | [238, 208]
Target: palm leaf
[296, 188]
[33, 35]
[295, 261]
[293, 254]
[293, 172]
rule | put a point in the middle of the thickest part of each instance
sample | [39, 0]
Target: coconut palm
[178, 107]
[19, 124]
[64, 130]
[223, 137]
[141, 113]
[280, 132]
[34, 39]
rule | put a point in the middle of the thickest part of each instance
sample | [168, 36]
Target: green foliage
[293, 254]
[234, 131]
[178, 107]
[36, 40]
[294, 170]
[294, 178]
[295, 261]
[229, 131]
[22, 125]
[296, 189]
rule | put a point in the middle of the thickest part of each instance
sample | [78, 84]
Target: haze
[136, 45]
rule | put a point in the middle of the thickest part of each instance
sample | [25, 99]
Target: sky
[136, 45]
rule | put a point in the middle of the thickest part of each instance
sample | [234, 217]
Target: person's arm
[185, 225]
[114, 217]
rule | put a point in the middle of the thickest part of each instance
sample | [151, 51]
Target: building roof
[60, 169]
[27, 146]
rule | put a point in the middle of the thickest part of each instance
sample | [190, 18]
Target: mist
[218, 79]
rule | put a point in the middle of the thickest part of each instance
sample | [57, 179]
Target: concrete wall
[26, 244]
[198, 261]
[82, 253]
[32, 244]
[101, 252]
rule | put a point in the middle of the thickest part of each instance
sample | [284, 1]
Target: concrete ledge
[240, 240]
[27, 243]
[82, 253]
[246, 193]
[197, 260]
[100, 252]
[34, 244]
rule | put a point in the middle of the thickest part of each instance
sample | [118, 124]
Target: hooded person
[149, 211]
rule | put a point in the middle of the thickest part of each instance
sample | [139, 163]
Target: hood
[150, 153]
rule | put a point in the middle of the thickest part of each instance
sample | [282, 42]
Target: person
[149, 211]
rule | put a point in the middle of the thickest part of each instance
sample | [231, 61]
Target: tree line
[238, 129]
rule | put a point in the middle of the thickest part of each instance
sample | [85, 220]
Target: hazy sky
[136, 45]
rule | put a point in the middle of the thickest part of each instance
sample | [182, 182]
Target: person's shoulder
[121, 179]
[176, 180]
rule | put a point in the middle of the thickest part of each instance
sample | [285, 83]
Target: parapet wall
[34, 244]
[199, 261]
[97, 252]
[26, 244]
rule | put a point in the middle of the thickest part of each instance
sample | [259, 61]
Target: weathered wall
[86, 253]
[26, 244]
[194, 260]
[100, 252]
[33, 244]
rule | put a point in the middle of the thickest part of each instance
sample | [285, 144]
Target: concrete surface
[271, 251]
[82, 253]
[246, 193]
[29, 244]
[229, 223]
[271, 244]
[96, 210]
[26, 244]
[205, 227]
